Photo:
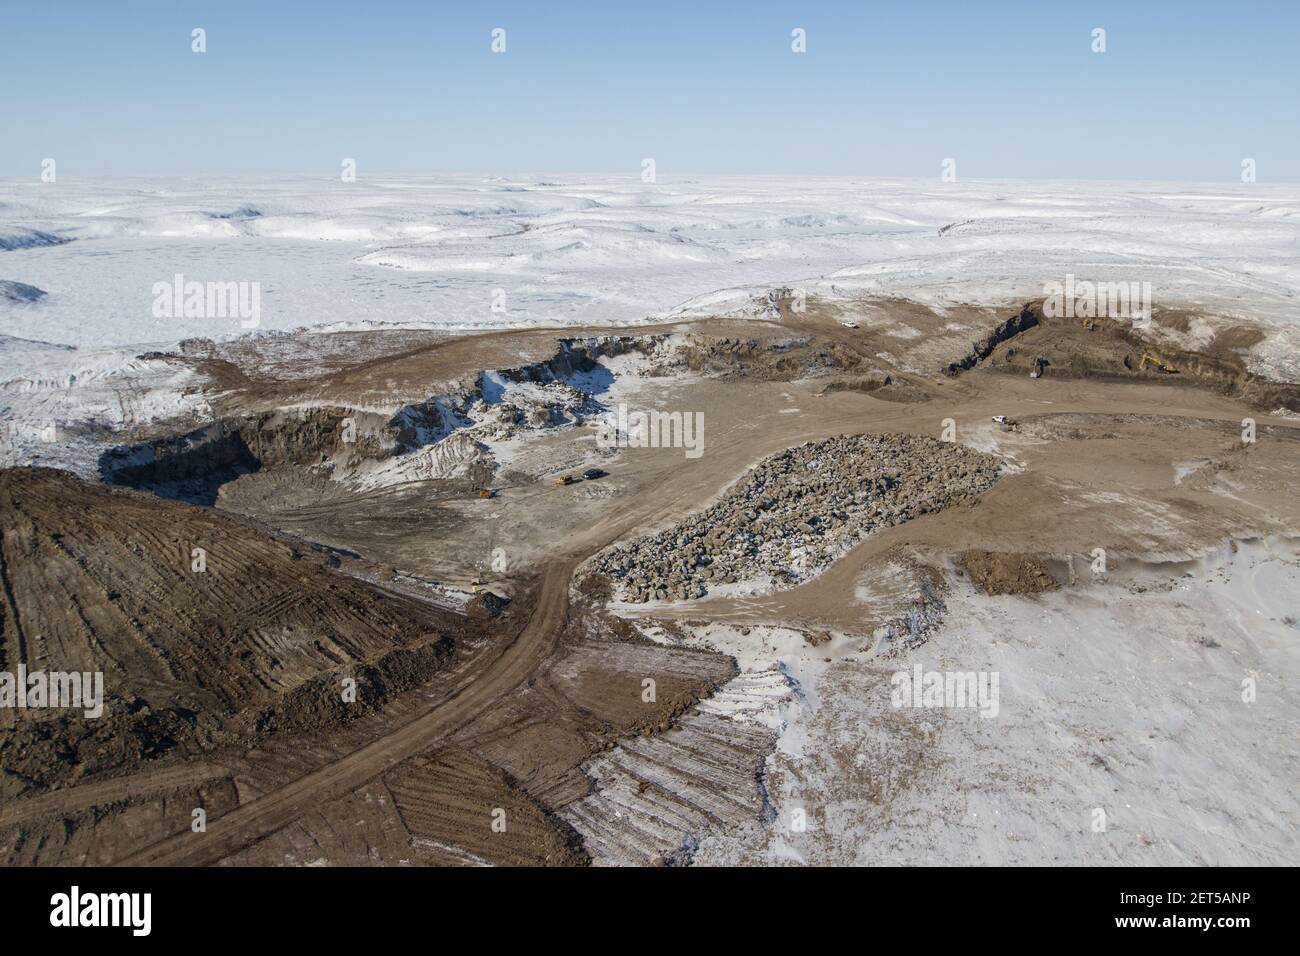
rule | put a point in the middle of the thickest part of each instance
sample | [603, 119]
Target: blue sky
[1184, 90]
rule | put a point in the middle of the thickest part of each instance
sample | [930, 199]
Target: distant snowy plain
[474, 253]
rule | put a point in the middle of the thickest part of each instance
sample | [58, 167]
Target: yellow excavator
[1156, 362]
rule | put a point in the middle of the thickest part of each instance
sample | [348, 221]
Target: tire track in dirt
[118, 790]
[12, 604]
[265, 815]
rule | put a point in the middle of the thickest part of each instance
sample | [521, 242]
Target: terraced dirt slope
[206, 629]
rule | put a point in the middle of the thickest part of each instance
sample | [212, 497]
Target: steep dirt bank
[1120, 351]
[1026, 319]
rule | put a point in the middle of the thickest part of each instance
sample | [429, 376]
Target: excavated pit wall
[337, 438]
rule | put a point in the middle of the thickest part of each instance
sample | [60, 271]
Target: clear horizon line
[631, 177]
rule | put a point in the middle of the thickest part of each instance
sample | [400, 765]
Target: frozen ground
[1128, 699]
[478, 253]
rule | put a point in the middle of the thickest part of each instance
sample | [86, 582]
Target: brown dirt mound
[886, 387]
[1001, 572]
[104, 580]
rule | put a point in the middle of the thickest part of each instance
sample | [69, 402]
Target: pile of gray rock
[530, 407]
[797, 511]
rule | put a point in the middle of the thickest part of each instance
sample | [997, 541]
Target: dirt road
[475, 692]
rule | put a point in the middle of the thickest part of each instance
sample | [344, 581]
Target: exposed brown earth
[594, 697]
[206, 630]
[997, 572]
[539, 708]
[435, 796]
[1114, 349]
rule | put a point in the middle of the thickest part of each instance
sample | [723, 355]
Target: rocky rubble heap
[797, 511]
[529, 408]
